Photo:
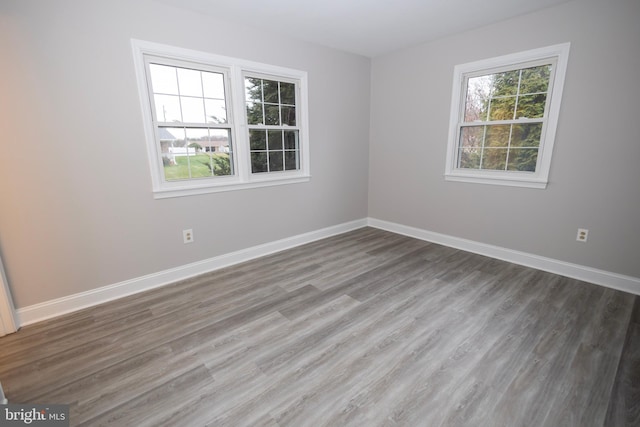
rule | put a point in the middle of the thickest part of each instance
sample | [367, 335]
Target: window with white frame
[189, 111]
[273, 128]
[504, 113]
[215, 123]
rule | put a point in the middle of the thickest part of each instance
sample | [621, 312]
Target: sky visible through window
[188, 96]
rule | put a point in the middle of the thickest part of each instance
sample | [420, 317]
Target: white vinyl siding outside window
[503, 118]
[214, 123]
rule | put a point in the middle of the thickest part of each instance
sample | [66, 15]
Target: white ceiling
[365, 27]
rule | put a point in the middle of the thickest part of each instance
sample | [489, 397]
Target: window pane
[523, 159]
[257, 139]
[259, 162]
[275, 161]
[200, 163]
[477, 101]
[253, 89]
[505, 83]
[175, 136]
[164, 79]
[222, 164]
[170, 137]
[213, 85]
[189, 107]
[497, 136]
[494, 158]
[215, 110]
[291, 160]
[271, 115]
[218, 141]
[287, 93]
[531, 106]
[189, 81]
[192, 110]
[167, 108]
[270, 91]
[502, 108]
[194, 135]
[535, 79]
[275, 140]
[469, 158]
[271, 103]
[291, 139]
[471, 136]
[177, 169]
[218, 147]
[195, 152]
[526, 135]
[173, 150]
[254, 113]
[288, 116]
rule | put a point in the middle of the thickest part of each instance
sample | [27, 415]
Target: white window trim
[243, 177]
[539, 178]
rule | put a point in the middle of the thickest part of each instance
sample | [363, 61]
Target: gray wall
[77, 211]
[77, 208]
[595, 173]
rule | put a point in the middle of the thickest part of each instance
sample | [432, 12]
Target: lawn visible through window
[195, 153]
[193, 130]
[214, 123]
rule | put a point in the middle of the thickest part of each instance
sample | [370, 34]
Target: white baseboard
[599, 277]
[48, 309]
[53, 308]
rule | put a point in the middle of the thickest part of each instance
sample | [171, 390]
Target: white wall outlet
[187, 236]
[583, 233]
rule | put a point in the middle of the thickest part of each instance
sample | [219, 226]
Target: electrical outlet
[583, 233]
[187, 236]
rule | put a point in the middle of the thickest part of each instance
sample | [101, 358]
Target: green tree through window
[504, 115]
[503, 119]
[271, 117]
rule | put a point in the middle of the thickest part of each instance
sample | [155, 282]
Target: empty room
[328, 213]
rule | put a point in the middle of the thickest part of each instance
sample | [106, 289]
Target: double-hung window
[503, 118]
[189, 111]
[272, 123]
[215, 123]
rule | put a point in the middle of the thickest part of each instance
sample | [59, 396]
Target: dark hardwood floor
[367, 328]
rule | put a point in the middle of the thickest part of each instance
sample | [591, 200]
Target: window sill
[191, 190]
[514, 181]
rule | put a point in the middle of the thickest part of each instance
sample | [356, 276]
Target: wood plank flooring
[624, 404]
[367, 328]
